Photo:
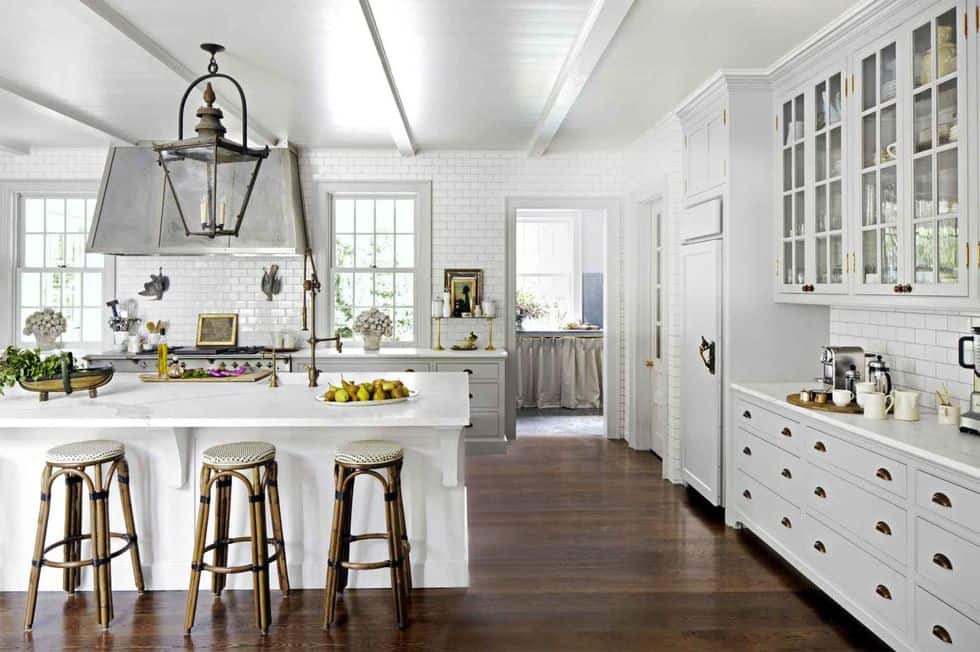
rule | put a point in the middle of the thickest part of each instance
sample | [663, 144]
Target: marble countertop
[126, 402]
[926, 439]
[326, 351]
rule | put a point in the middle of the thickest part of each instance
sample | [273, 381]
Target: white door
[657, 364]
[700, 368]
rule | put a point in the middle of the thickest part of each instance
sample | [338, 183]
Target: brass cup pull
[786, 523]
[409, 370]
[819, 492]
[786, 432]
[787, 474]
[747, 450]
[883, 591]
[941, 499]
[819, 446]
[884, 528]
[747, 494]
[819, 547]
[940, 632]
[883, 474]
[941, 560]
[469, 371]
[747, 414]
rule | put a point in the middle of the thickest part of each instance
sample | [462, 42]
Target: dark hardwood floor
[576, 544]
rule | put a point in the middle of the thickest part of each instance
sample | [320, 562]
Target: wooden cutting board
[853, 408]
[250, 377]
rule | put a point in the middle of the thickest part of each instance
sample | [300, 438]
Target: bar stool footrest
[245, 568]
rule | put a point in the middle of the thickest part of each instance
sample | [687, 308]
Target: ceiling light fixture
[208, 170]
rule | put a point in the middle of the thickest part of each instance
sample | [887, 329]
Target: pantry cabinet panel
[706, 157]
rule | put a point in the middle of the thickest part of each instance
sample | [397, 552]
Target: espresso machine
[970, 421]
[836, 361]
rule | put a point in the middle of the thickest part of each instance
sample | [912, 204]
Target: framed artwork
[216, 329]
[465, 288]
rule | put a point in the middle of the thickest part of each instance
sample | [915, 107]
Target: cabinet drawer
[484, 395]
[477, 371]
[775, 428]
[940, 628]
[867, 465]
[886, 528]
[949, 561]
[770, 465]
[948, 500]
[775, 516]
[483, 425]
[332, 365]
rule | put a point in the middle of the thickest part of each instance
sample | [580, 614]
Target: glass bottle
[162, 354]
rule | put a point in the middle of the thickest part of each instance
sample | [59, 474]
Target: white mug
[133, 344]
[906, 405]
[862, 388]
[948, 415]
[842, 397]
[877, 405]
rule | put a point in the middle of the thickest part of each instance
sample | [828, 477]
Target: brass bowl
[80, 380]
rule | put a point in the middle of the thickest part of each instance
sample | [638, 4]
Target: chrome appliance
[878, 373]
[836, 361]
[194, 358]
[970, 421]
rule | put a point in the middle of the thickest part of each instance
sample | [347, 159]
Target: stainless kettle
[878, 374]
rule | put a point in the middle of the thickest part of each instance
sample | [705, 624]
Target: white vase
[46, 343]
[372, 341]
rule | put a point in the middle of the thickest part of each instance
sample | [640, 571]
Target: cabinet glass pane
[887, 74]
[798, 117]
[922, 55]
[869, 199]
[946, 43]
[821, 157]
[869, 255]
[835, 152]
[821, 260]
[947, 130]
[836, 259]
[949, 248]
[925, 248]
[820, 106]
[787, 123]
[889, 194]
[788, 262]
[889, 255]
[820, 208]
[798, 261]
[787, 169]
[787, 216]
[869, 141]
[835, 206]
[798, 166]
[922, 184]
[799, 212]
[922, 120]
[947, 181]
[834, 100]
[889, 133]
[869, 83]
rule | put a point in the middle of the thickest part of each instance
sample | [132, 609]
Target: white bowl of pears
[379, 391]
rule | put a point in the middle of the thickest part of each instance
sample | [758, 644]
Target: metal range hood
[128, 222]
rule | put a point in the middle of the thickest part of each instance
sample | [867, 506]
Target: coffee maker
[836, 361]
[970, 422]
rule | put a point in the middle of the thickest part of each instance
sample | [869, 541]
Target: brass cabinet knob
[884, 528]
[941, 560]
[883, 591]
[941, 499]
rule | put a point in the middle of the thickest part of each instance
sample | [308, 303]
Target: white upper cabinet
[706, 151]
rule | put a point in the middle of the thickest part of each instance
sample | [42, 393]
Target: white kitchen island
[166, 427]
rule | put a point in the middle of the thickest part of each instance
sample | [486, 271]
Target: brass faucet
[311, 286]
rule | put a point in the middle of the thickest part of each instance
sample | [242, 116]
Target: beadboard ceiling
[469, 74]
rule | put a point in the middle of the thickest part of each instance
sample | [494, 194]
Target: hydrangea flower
[373, 322]
[46, 324]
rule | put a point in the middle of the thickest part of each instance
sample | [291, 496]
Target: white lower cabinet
[893, 538]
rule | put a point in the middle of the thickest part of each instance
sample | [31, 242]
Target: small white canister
[948, 415]
[489, 308]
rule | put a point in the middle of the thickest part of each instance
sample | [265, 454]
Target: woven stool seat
[369, 451]
[239, 453]
[85, 452]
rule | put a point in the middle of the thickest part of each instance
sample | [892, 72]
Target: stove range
[194, 357]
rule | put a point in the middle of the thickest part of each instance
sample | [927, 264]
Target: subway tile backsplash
[920, 348]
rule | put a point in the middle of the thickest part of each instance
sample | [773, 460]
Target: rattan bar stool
[220, 465]
[368, 458]
[72, 461]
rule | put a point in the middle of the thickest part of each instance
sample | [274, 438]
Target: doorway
[559, 334]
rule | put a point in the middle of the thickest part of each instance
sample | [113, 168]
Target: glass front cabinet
[872, 167]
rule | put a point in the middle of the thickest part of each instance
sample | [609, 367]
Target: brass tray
[853, 408]
[249, 377]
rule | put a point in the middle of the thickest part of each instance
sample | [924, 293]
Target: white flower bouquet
[373, 322]
[47, 326]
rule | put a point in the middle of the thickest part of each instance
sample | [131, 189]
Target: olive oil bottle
[162, 354]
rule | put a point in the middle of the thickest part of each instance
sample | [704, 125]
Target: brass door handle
[819, 547]
[941, 499]
[940, 632]
[883, 474]
[819, 492]
[884, 528]
[787, 474]
[883, 591]
[709, 348]
[941, 560]
[648, 363]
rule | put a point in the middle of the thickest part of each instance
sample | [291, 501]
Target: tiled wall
[920, 348]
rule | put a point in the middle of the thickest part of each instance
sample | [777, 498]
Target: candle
[447, 306]
[437, 308]
[489, 308]
[204, 211]
[221, 212]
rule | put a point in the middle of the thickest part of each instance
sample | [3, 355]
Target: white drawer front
[940, 628]
[477, 371]
[827, 552]
[877, 469]
[483, 425]
[948, 500]
[770, 465]
[775, 428]
[484, 395]
[379, 366]
[775, 516]
[950, 562]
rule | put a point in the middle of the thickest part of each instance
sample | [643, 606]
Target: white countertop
[126, 402]
[328, 352]
[927, 439]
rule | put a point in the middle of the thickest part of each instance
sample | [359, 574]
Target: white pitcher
[906, 405]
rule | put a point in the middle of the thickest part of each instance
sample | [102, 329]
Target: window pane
[92, 285]
[787, 120]
[799, 212]
[869, 82]
[787, 216]
[869, 255]
[344, 253]
[89, 212]
[869, 200]
[365, 215]
[788, 262]
[949, 248]
[820, 105]
[405, 215]
[889, 194]
[404, 250]
[798, 115]
[798, 163]
[343, 210]
[835, 99]
[385, 250]
[821, 209]
[51, 290]
[54, 215]
[343, 302]
[385, 215]
[30, 289]
[889, 255]
[364, 289]
[946, 128]
[836, 259]
[75, 222]
[404, 289]
[835, 152]
[74, 318]
[94, 261]
[788, 169]
[821, 260]
[54, 250]
[798, 262]
[835, 210]
[364, 256]
[71, 289]
[922, 55]
[922, 184]
[889, 134]
[92, 324]
[34, 215]
[821, 157]
[925, 248]
[384, 291]
[887, 73]
[404, 324]
[33, 251]
[948, 181]
[922, 120]
[946, 43]
[869, 141]
[75, 250]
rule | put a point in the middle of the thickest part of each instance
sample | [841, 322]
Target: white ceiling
[470, 73]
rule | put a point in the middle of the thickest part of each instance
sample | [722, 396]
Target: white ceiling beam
[14, 148]
[601, 23]
[63, 108]
[101, 9]
[400, 131]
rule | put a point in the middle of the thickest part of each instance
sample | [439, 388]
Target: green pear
[341, 396]
[362, 395]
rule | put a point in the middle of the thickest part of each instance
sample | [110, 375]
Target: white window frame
[322, 237]
[575, 219]
[12, 194]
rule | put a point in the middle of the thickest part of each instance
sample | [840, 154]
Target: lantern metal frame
[223, 151]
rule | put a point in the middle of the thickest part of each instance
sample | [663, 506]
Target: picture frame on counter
[217, 329]
[465, 288]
